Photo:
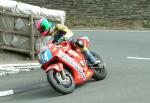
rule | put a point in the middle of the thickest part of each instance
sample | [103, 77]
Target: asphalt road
[127, 55]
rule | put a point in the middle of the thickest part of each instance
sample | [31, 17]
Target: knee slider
[79, 44]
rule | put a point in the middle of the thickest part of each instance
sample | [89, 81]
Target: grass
[107, 23]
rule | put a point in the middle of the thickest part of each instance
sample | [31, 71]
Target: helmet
[43, 25]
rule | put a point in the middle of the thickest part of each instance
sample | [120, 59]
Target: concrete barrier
[16, 68]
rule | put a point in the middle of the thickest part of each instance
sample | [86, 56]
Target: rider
[62, 33]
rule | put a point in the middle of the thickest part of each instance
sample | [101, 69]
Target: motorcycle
[67, 67]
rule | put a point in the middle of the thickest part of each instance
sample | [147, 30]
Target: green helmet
[43, 25]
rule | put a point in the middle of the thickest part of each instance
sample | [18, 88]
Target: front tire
[60, 84]
[100, 71]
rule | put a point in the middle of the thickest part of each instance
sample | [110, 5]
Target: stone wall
[98, 9]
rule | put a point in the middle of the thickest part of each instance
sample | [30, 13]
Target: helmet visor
[46, 25]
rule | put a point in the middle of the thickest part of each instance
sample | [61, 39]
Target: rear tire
[100, 71]
[59, 84]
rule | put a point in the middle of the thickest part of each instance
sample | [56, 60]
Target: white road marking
[6, 93]
[22, 89]
[138, 58]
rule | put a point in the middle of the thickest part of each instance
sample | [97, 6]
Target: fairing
[73, 59]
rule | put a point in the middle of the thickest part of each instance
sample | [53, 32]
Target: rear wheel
[64, 85]
[100, 71]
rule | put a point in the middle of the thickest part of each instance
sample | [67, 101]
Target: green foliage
[84, 22]
[146, 23]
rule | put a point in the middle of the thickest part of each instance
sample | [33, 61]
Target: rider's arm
[62, 33]
[64, 30]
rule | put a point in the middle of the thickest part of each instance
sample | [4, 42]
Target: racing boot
[91, 58]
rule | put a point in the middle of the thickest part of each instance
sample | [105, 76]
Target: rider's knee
[79, 44]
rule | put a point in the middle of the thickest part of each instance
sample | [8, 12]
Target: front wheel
[100, 71]
[64, 85]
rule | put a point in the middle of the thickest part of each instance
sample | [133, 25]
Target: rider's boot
[91, 58]
[86, 52]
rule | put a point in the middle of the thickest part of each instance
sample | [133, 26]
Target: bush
[146, 23]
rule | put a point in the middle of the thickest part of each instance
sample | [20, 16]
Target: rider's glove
[62, 39]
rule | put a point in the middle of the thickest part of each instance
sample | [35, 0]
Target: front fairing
[45, 54]
[71, 58]
[80, 70]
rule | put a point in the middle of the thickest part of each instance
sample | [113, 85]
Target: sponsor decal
[88, 74]
[82, 63]
[74, 53]
[73, 63]
[45, 56]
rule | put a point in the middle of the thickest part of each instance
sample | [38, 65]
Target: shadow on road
[38, 93]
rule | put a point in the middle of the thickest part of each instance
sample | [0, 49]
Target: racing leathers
[63, 33]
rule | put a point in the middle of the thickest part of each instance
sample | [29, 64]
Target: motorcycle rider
[62, 33]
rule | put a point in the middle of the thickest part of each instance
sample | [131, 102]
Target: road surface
[127, 55]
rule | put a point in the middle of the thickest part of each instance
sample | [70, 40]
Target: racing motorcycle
[67, 67]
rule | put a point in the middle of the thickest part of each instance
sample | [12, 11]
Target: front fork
[59, 68]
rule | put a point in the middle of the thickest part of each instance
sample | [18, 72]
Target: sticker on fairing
[73, 63]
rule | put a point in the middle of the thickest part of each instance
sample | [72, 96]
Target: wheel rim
[100, 68]
[64, 82]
